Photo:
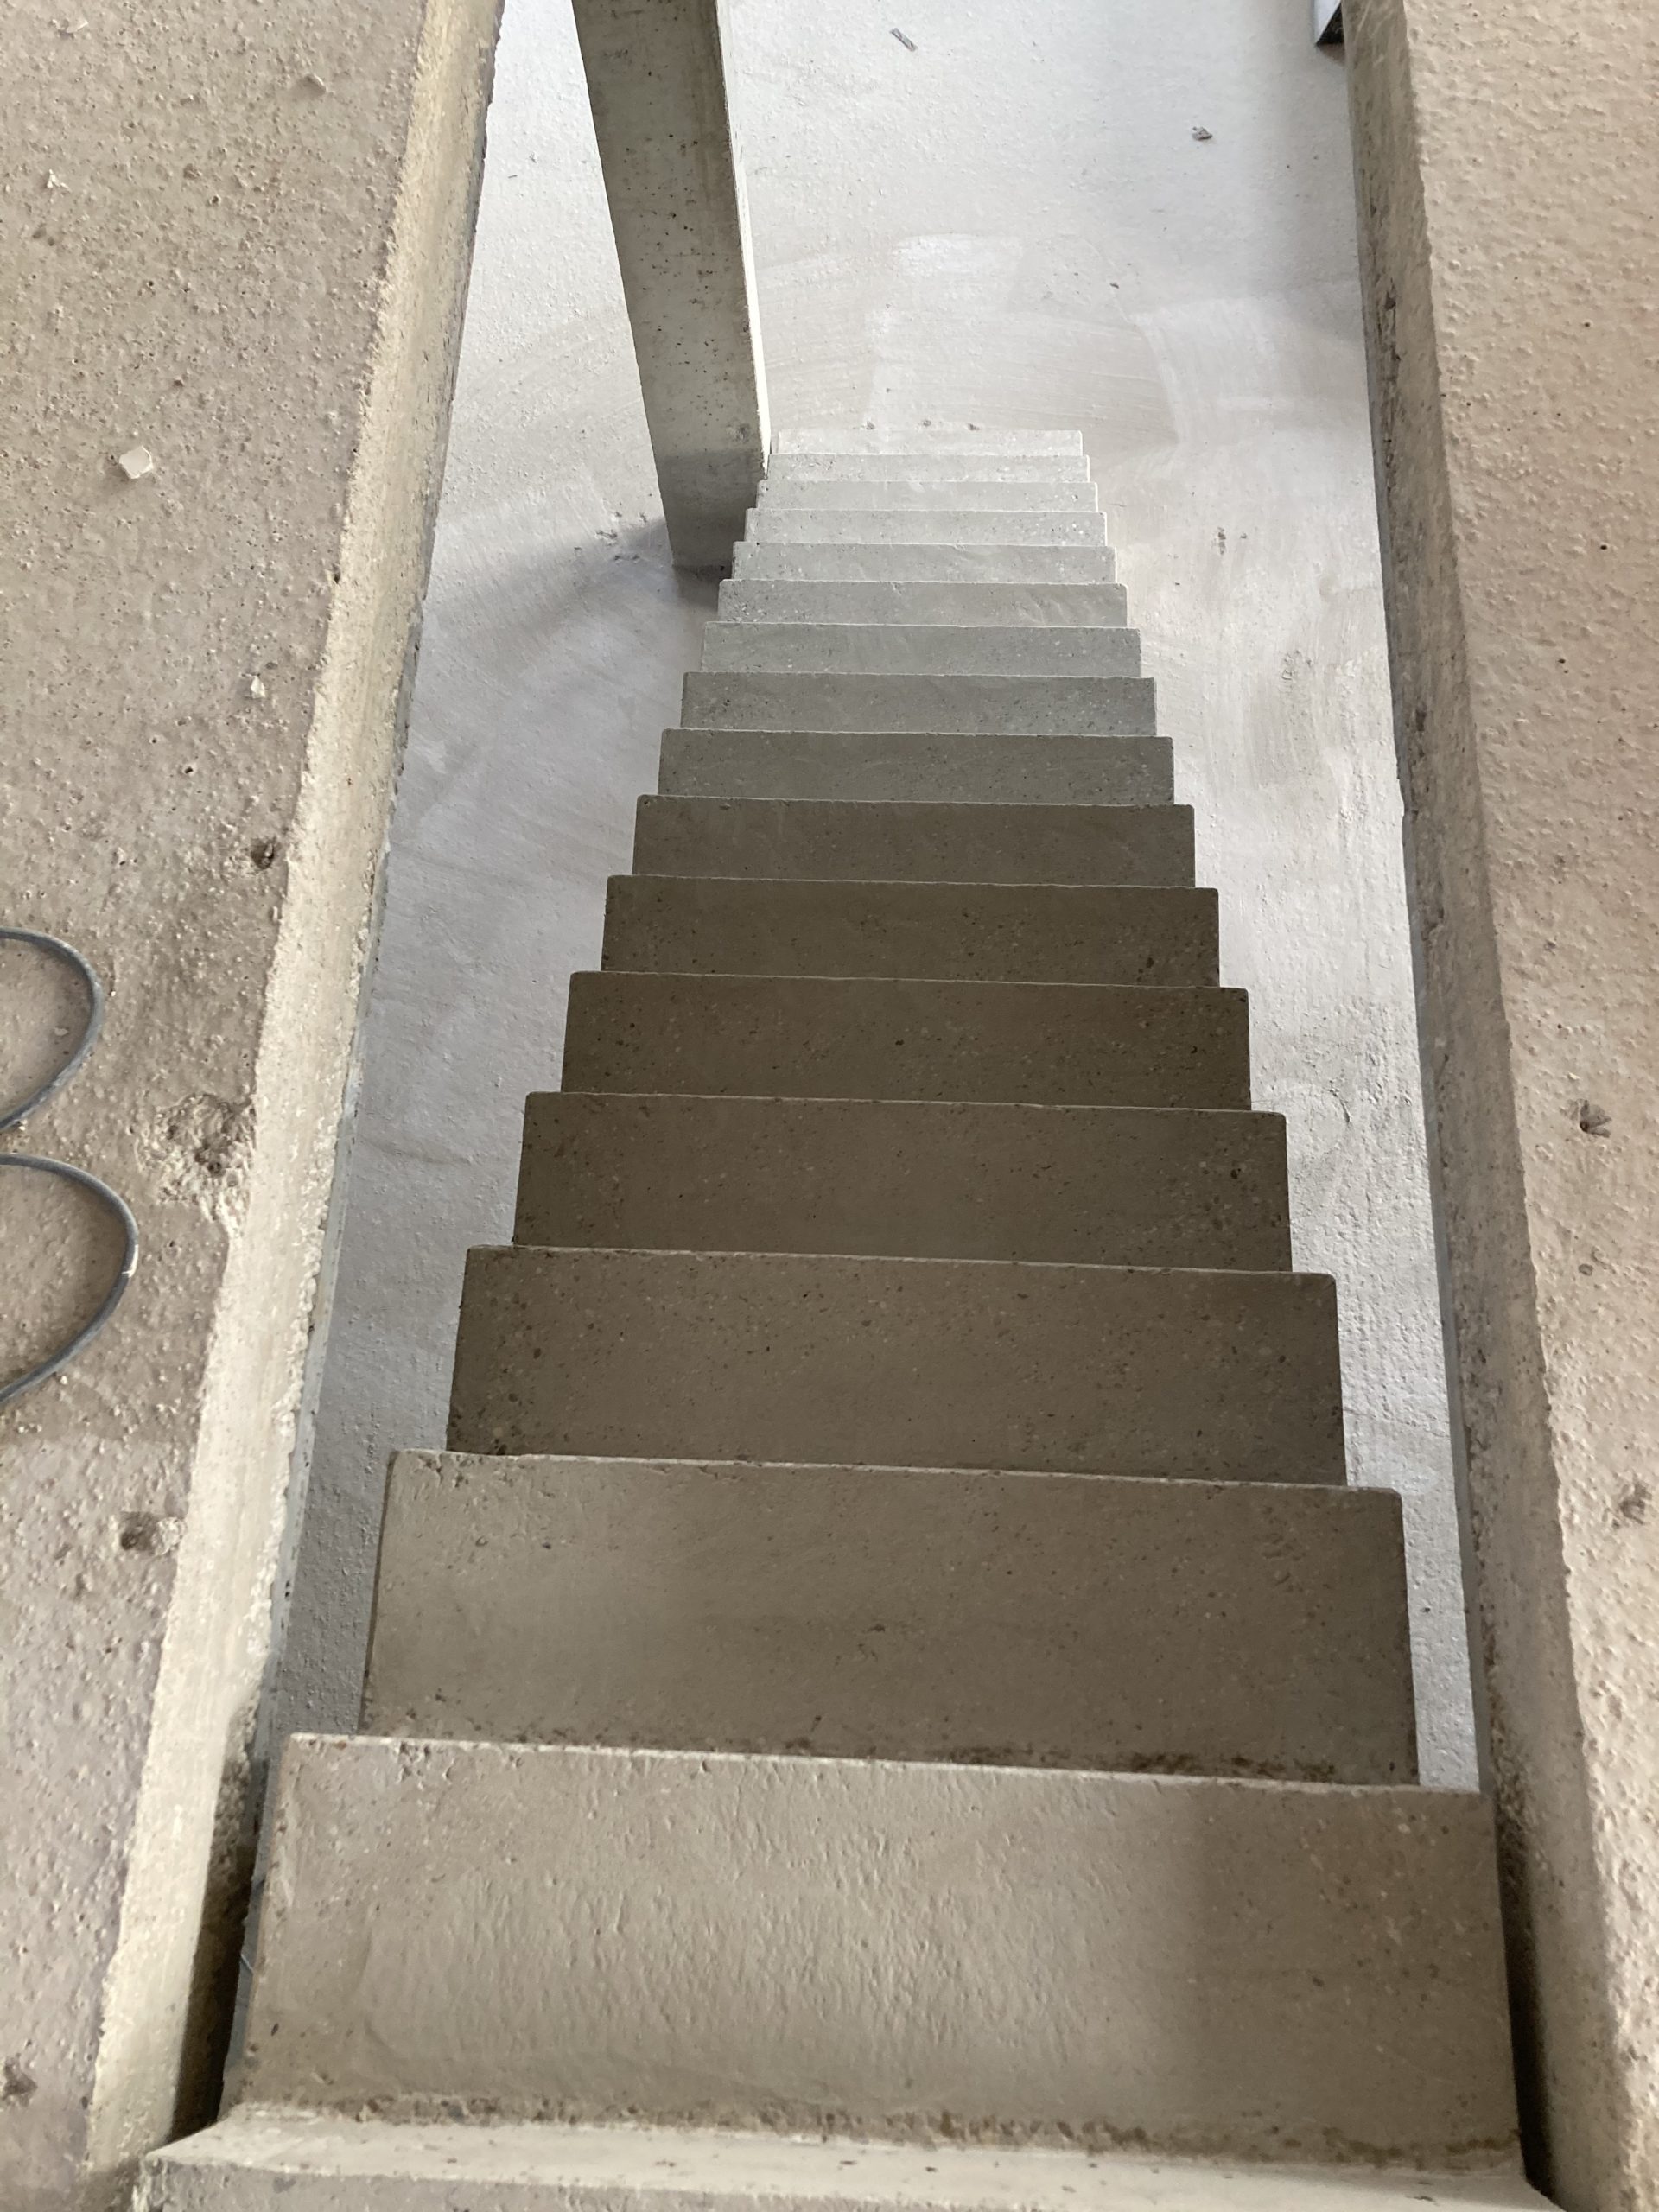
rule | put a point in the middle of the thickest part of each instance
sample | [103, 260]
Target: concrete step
[1183, 1374]
[292, 2160]
[878, 766]
[924, 649]
[892, 1949]
[953, 526]
[895, 1613]
[882, 1037]
[1016, 444]
[926, 468]
[957, 495]
[917, 563]
[968, 706]
[828, 839]
[1049, 606]
[991, 932]
[1110, 1186]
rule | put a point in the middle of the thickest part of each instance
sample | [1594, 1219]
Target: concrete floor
[1101, 215]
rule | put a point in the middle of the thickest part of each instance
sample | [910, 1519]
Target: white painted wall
[1016, 225]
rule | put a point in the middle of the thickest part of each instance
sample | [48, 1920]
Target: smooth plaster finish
[1510, 166]
[1110, 1185]
[1222, 1376]
[893, 1036]
[277, 2161]
[243, 245]
[1077, 257]
[989, 932]
[899, 1613]
[589, 1934]
[946, 842]
[915, 765]
[657, 74]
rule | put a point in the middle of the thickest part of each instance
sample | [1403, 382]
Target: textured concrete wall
[1009, 221]
[238, 239]
[1509, 166]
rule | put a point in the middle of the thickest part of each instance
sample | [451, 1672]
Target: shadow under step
[1102, 1186]
[897, 1613]
[1223, 1375]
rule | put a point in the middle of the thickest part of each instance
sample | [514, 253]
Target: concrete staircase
[887, 1699]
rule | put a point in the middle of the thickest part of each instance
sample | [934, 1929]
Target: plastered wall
[1105, 215]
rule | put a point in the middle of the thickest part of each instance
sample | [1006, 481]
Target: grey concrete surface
[967, 706]
[915, 766]
[988, 932]
[1222, 1377]
[963, 494]
[953, 441]
[803, 525]
[290, 2161]
[915, 561]
[1112, 1185]
[921, 468]
[656, 74]
[884, 1037]
[946, 842]
[1051, 604]
[592, 1932]
[821, 647]
[897, 1613]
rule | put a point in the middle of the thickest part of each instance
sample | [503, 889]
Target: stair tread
[931, 563]
[920, 649]
[792, 525]
[917, 766]
[942, 605]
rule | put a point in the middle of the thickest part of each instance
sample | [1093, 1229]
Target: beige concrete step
[786, 526]
[900, 493]
[899, 1613]
[827, 840]
[1109, 1186]
[1049, 606]
[882, 1037]
[910, 766]
[823, 648]
[994, 932]
[926, 468]
[968, 706]
[890, 1949]
[287, 2159]
[1012, 444]
[916, 562]
[1222, 1376]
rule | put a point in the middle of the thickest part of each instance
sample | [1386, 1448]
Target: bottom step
[260, 2161]
[1205, 1969]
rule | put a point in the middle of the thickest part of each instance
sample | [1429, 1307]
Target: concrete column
[235, 253]
[1508, 168]
[657, 80]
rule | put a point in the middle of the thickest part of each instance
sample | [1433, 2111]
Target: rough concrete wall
[238, 240]
[1014, 225]
[1508, 168]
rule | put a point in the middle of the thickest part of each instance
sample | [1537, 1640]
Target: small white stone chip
[136, 462]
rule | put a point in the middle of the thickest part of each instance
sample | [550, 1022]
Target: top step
[930, 467]
[1026, 444]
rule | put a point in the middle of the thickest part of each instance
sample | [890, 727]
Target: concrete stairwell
[887, 1699]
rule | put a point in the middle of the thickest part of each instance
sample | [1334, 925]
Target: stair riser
[1099, 1186]
[915, 844]
[815, 1037]
[957, 526]
[897, 495]
[1018, 445]
[1214, 1377]
[966, 706]
[1092, 565]
[1186, 1964]
[913, 767]
[853, 1613]
[994, 933]
[923, 468]
[890, 649]
[1045, 606]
